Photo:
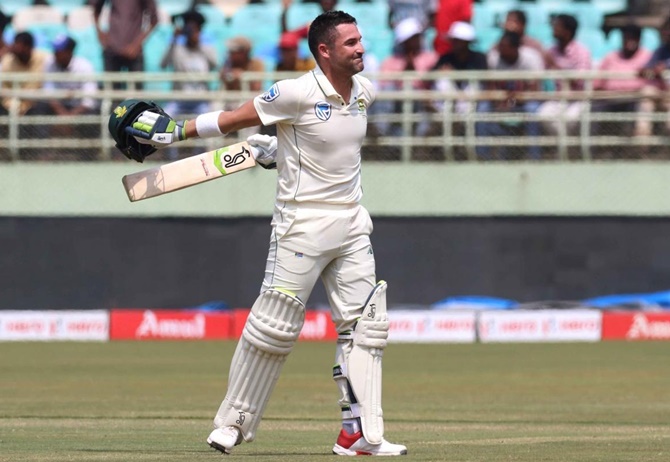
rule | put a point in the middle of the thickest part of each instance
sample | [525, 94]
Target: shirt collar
[327, 87]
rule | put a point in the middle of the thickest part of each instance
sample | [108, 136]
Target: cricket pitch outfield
[154, 401]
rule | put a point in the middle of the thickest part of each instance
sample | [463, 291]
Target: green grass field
[517, 402]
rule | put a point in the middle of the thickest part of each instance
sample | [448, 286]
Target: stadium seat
[259, 23]
[610, 6]
[173, 7]
[651, 39]
[88, 46]
[82, 18]
[37, 15]
[10, 8]
[300, 14]
[594, 39]
[65, 6]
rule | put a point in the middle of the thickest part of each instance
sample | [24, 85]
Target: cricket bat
[187, 172]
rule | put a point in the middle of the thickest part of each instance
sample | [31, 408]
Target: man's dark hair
[193, 16]
[632, 30]
[513, 38]
[322, 29]
[569, 22]
[520, 15]
[25, 38]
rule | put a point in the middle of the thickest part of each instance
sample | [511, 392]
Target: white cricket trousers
[312, 240]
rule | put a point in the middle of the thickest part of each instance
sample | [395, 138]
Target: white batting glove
[264, 150]
[157, 130]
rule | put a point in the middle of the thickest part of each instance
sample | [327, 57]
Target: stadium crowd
[422, 35]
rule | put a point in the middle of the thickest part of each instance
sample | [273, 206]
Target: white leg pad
[271, 330]
[360, 371]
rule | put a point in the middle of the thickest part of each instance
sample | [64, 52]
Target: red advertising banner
[636, 326]
[169, 325]
[318, 325]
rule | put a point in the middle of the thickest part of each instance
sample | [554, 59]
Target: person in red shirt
[449, 12]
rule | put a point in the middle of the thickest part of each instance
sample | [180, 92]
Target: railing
[450, 121]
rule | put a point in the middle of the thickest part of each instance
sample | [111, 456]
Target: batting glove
[264, 150]
[157, 130]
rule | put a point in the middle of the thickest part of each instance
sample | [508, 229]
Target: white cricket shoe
[356, 445]
[224, 439]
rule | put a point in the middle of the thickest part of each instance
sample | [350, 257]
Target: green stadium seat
[651, 39]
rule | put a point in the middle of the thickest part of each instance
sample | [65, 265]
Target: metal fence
[406, 124]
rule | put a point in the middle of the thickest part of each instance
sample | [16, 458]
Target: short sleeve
[280, 103]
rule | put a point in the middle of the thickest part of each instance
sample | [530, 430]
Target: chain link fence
[405, 124]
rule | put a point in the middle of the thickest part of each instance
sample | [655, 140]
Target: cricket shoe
[356, 445]
[224, 439]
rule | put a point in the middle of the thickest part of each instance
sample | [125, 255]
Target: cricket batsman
[319, 230]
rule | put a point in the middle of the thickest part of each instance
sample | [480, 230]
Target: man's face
[346, 51]
[458, 45]
[508, 53]
[288, 56]
[630, 44]
[512, 24]
[22, 52]
[328, 5]
[63, 58]
[560, 32]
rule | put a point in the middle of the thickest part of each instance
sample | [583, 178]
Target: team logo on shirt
[361, 106]
[323, 110]
[272, 94]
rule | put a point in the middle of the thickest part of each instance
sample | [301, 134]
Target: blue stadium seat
[300, 14]
[258, 22]
[45, 34]
[11, 7]
[651, 39]
[610, 6]
[88, 46]
[172, 7]
[154, 48]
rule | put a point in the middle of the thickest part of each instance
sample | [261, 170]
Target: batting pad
[362, 367]
[269, 334]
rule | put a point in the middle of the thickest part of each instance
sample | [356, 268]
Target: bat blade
[187, 172]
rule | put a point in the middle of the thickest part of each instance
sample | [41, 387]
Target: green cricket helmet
[123, 116]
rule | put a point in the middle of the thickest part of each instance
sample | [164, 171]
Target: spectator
[515, 21]
[449, 12]
[423, 10]
[566, 54]
[238, 62]
[409, 56]
[23, 57]
[289, 56]
[511, 55]
[64, 62]
[463, 58]
[122, 43]
[4, 22]
[657, 86]
[188, 54]
[629, 58]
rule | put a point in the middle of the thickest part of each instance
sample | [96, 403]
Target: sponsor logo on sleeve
[272, 94]
[323, 110]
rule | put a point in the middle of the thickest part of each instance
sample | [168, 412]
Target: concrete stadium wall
[391, 189]
[69, 238]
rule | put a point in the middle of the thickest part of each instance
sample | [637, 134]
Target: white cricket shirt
[319, 137]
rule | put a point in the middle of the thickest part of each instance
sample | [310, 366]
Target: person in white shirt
[319, 230]
[511, 55]
[64, 61]
[188, 54]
